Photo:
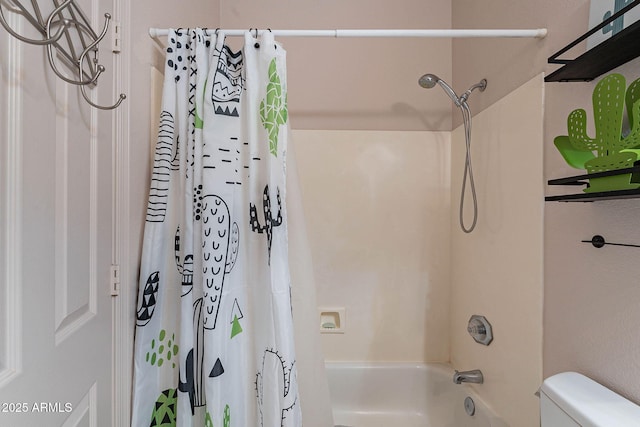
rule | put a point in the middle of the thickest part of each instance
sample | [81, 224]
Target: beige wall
[509, 63]
[497, 269]
[591, 295]
[357, 83]
[377, 212]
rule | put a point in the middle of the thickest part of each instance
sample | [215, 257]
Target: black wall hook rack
[598, 241]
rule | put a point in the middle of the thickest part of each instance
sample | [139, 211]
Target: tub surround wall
[497, 269]
[377, 211]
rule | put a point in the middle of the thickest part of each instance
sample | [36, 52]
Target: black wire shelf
[583, 180]
[611, 53]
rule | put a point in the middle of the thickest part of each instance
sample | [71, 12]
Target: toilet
[570, 399]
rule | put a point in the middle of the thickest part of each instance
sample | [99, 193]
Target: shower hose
[468, 171]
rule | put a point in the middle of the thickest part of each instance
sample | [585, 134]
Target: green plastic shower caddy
[611, 156]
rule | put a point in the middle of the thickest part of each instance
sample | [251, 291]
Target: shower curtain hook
[205, 31]
[256, 44]
[275, 45]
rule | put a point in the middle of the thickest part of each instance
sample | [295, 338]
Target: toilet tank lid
[589, 403]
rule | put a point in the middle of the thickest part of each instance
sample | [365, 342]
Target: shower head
[429, 80]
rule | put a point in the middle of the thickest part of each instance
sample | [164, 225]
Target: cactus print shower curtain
[214, 335]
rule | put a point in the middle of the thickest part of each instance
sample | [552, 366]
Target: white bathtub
[402, 395]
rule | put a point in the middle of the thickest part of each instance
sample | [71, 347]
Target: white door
[55, 239]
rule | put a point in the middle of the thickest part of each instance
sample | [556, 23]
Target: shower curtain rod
[443, 33]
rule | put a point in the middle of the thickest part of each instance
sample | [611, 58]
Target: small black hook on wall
[598, 241]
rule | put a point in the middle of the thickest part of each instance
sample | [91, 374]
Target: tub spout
[474, 376]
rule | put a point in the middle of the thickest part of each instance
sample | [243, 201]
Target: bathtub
[402, 395]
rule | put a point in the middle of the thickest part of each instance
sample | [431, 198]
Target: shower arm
[481, 86]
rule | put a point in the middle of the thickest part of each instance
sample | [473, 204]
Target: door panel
[9, 240]
[55, 242]
[75, 209]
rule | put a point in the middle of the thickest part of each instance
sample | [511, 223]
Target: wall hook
[67, 17]
[100, 69]
[598, 241]
[82, 29]
[20, 10]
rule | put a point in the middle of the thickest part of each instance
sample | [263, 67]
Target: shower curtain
[214, 324]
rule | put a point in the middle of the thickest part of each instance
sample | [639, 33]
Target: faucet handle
[480, 329]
